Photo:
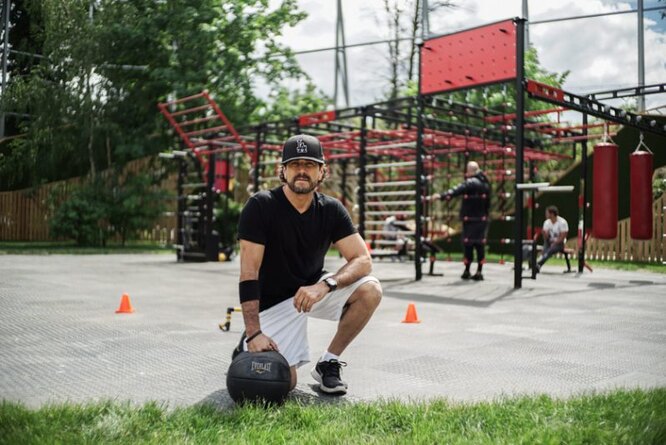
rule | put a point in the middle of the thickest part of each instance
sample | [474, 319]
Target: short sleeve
[565, 225]
[342, 225]
[546, 224]
[251, 223]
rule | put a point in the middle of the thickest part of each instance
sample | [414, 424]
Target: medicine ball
[259, 377]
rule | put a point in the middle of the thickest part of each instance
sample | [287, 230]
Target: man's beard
[300, 190]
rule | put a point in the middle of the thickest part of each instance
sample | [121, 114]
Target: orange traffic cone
[125, 305]
[410, 316]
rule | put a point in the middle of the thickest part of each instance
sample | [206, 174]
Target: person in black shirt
[474, 212]
[284, 236]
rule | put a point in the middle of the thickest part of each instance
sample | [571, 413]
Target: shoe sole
[342, 389]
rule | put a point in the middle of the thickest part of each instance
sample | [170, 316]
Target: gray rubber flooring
[563, 334]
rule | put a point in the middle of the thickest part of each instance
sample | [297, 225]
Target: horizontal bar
[557, 188]
[532, 185]
[387, 146]
[190, 110]
[589, 16]
[185, 99]
[388, 232]
[390, 164]
[207, 130]
[547, 93]
[389, 184]
[389, 203]
[199, 120]
[390, 212]
[394, 193]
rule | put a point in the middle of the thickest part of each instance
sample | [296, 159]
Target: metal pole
[526, 16]
[340, 57]
[420, 177]
[5, 55]
[425, 23]
[520, 141]
[583, 191]
[362, 161]
[640, 103]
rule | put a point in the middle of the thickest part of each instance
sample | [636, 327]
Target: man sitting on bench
[555, 231]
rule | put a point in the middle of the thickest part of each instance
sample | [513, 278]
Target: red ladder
[202, 125]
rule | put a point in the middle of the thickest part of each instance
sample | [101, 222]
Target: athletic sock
[328, 356]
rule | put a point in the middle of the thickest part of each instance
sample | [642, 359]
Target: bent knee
[371, 293]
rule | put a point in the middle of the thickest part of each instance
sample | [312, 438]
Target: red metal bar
[187, 98]
[512, 116]
[306, 120]
[207, 130]
[230, 127]
[546, 91]
[190, 110]
[169, 117]
[198, 121]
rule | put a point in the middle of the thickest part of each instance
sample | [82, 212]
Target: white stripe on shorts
[289, 328]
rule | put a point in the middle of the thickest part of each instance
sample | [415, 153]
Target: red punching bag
[640, 164]
[604, 191]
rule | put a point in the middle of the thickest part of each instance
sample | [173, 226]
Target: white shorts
[289, 328]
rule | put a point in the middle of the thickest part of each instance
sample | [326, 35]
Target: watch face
[332, 284]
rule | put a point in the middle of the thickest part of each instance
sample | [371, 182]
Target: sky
[600, 53]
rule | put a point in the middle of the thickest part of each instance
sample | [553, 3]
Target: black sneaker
[466, 275]
[328, 376]
[477, 276]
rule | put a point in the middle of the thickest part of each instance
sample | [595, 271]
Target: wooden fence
[623, 248]
[24, 214]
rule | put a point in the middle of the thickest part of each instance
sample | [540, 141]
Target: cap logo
[301, 147]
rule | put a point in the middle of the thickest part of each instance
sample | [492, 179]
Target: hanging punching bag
[604, 191]
[640, 165]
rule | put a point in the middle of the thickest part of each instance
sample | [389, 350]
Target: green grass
[620, 417]
[50, 248]
[615, 265]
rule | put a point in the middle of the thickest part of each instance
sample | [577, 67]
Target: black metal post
[520, 140]
[343, 181]
[583, 204]
[180, 207]
[362, 162]
[420, 177]
[211, 243]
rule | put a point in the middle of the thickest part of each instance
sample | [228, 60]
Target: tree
[285, 103]
[107, 62]
[401, 17]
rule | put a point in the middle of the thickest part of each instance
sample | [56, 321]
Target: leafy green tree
[82, 216]
[110, 205]
[108, 62]
[285, 103]
[133, 205]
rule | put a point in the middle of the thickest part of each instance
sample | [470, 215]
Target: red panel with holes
[469, 58]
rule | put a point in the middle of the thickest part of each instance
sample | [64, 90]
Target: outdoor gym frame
[397, 145]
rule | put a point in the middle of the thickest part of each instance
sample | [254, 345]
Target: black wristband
[252, 337]
[248, 290]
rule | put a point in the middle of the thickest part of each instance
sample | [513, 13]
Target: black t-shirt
[295, 244]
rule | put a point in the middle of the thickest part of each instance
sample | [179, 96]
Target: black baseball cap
[302, 146]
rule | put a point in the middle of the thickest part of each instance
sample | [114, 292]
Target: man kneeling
[284, 236]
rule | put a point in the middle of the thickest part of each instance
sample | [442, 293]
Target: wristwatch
[331, 283]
